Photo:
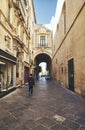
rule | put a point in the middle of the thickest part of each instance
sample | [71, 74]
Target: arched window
[57, 27]
[9, 12]
[64, 16]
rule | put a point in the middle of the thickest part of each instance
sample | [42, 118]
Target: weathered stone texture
[71, 45]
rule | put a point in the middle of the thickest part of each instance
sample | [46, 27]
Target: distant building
[42, 46]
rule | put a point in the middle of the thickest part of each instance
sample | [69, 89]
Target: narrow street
[51, 107]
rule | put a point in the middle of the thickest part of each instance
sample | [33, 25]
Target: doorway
[40, 59]
[26, 74]
[71, 74]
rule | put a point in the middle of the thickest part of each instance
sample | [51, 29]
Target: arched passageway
[42, 58]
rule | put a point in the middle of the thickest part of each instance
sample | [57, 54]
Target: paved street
[51, 107]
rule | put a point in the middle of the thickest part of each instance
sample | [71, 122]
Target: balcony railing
[43, 46]
[17, 37]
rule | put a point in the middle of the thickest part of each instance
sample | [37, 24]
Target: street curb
[4, 93]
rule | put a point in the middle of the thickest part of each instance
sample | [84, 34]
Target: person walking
[31, 83]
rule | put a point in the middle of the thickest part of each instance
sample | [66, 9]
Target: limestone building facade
[42, 46]
[15, 39]
[68, 61]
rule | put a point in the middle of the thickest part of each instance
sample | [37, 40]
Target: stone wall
[70, 45]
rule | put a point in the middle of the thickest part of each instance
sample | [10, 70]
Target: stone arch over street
[42, 57]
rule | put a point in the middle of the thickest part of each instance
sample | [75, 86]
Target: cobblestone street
[51, 107]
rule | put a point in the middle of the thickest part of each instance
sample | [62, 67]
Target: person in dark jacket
[31, 83]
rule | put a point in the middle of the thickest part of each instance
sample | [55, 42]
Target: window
[62, 70]
[42, 40]
[64, 17]
[9, 13]
[58, 27]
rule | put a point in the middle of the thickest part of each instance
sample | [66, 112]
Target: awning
[6, 56]
[2, 63]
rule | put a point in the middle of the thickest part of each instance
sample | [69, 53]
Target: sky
[44, 10]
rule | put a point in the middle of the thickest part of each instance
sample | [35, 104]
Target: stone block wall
[71, 46]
